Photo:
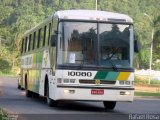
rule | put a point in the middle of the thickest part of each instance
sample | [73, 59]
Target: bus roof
[85, 15]
[93, 15]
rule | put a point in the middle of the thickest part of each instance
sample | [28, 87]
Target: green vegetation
[17, 16]
[143, 80]
[2, 114]
[147, 94]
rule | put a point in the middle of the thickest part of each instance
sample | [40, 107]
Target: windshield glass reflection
[94, 44]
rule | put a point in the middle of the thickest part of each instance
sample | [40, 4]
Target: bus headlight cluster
[60, 80]
[125, 82]
[125, 92]
[69, 91]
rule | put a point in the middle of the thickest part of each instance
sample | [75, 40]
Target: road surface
[15, 101]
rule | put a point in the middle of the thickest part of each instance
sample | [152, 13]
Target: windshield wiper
[113, 65]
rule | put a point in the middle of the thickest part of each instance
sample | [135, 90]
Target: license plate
[97, 92]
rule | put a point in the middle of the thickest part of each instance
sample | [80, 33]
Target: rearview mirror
[53, 40]
[137, 46]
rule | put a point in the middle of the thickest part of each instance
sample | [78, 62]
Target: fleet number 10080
[72, 73]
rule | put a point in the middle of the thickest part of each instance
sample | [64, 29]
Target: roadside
[147, 91]
[7, 115]
[0, 88]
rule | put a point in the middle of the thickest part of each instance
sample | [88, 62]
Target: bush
[4, 66]
[141, 79]
[144, 80]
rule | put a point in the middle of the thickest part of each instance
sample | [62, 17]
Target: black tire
[19, 87]
[50, 102]
[109, 105]
[35, 95]
[28, 93]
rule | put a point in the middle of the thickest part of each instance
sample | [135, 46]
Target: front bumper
[84, 93]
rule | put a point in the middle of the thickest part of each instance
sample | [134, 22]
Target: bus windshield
[95, 44]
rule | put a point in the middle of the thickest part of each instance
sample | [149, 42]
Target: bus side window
[44, 38]
[55, 25]
[41, 38]
[34, 41]
[30, 42]
[22, 46]
[49, 32]
[39, 34]
[26, 44]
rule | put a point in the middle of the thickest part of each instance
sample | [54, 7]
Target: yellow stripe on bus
[123, 76]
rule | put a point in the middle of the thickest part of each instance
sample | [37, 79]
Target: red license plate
[97, 92]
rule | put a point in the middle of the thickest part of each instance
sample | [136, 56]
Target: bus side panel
[45, 71]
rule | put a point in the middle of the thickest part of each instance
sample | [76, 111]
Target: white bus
[80, 55]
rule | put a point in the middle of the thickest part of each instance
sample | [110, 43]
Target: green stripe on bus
[101, 75]
[106, 75]
[112, 75]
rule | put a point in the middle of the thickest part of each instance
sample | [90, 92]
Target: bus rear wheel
[50, 102]
[19, 87]
[109, 105]
[28, 93]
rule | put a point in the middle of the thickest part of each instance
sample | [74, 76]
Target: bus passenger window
[22, 46]
[26, 44]
[34, 41]
[39, 34]
[49, 32]
[44, 38]
[41, 38]
[30, 40]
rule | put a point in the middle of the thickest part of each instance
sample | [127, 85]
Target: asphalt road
[14, 100]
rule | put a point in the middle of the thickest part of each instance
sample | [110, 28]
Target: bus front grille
[94, 82]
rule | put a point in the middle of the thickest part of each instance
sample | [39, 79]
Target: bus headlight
[72, 80]
[121, 82]
[66, 81]
[125, 82]
[60, 80]
[69, 91]
[125, 93]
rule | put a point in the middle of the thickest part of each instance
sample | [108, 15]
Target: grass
[7, 74]
[2, 114]
[147, 94]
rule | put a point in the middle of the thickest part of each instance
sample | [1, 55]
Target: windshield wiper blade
[113, 65]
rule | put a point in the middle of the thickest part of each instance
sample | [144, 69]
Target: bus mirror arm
[53, 40]
[137, 46]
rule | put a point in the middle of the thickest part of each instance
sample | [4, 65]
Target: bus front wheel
[50, 102]
[109, 105]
